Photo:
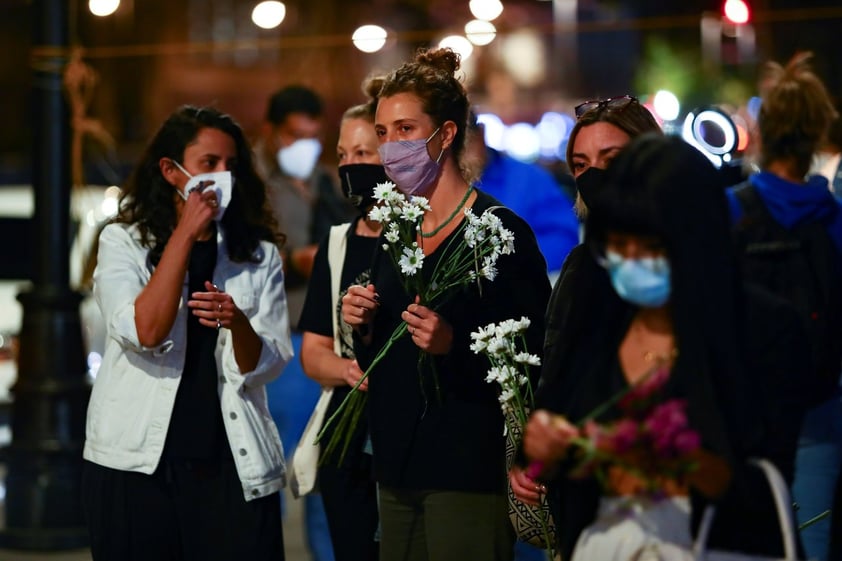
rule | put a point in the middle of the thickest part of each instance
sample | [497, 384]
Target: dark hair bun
[445, 59]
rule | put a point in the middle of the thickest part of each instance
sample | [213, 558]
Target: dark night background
[153, 55]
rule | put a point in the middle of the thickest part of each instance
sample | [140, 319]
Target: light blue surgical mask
[644, 282]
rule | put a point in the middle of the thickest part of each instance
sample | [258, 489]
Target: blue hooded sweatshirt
[791, 204]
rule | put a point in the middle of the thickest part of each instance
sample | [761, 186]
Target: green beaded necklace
[452, 215]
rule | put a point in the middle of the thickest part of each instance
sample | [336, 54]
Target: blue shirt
[532, 193]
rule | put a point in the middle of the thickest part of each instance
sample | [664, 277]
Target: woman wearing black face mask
[327, 353]
[602, 130]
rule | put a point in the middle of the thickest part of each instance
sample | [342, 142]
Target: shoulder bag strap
[336, 246]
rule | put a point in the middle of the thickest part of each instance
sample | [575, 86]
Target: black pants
[185, 511]
[350, 498]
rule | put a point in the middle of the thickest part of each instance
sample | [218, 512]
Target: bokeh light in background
[521, 142]
[494, 130]
[736, 11]
[486, 9]
[553, 129]
[269, 14]
[666, 105]
[523, 56]
[369, 38]
[103, 7]
[480, 32]
[459, 44]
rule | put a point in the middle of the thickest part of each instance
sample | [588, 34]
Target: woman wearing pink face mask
[439, 461]
[182, 457]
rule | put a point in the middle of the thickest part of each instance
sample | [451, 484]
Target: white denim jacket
[132, 399]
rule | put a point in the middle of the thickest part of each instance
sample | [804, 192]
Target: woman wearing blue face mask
[660, 231]
[183, 460]
[439, 456]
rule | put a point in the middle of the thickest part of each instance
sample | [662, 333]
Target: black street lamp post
[44, 460]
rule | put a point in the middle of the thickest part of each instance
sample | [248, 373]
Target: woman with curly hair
[182, 457]
[439, 457]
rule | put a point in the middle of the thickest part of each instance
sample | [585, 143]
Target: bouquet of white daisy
[468, 257]
[504, 344]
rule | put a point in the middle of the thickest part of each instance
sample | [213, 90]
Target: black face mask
[589, 185]
[358, 183]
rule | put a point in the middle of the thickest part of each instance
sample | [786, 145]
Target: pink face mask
[408, 164]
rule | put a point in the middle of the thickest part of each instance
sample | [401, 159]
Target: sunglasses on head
[612, 103]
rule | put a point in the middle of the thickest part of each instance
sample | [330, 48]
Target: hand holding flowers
[651, 440]
[468, 256]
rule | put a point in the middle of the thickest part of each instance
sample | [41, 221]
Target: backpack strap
[774, 237]
[749, 199]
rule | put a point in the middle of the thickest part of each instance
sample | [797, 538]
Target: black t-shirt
[196, 430]
[453, 440]
[316, 316]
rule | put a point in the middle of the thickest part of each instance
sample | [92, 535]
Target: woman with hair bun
[439, 456]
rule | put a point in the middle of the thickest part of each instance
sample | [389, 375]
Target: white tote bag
[666, 551]
[305, 460]
[786, 520]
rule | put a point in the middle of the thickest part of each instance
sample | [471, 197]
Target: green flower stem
[348, 413]
[813, 520]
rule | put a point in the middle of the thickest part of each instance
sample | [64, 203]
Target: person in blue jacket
[529, 191]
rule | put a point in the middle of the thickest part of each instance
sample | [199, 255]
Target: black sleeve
[316, 314]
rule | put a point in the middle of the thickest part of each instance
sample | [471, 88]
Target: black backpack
[801, 265]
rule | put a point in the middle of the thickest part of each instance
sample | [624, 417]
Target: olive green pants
[444, 526]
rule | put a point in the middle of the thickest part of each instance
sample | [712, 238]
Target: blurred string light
[480, 32]
[103, 7]
[666, 105]
[486, 9]
[269, 14]
[523, 57]
[459, 44]
[369, 38]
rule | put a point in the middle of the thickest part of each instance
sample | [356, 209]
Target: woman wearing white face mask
[182, 457]
[440, 462]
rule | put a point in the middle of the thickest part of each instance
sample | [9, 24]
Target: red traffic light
[736, 11]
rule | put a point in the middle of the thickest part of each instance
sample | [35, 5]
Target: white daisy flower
[411, 261]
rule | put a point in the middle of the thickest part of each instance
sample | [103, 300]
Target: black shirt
[196, 430]
[453, 441]
[316, 318]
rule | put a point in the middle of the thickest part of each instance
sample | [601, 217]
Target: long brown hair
[147, 198]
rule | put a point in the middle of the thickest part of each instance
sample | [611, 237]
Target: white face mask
[223, 182]
[299, 158]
